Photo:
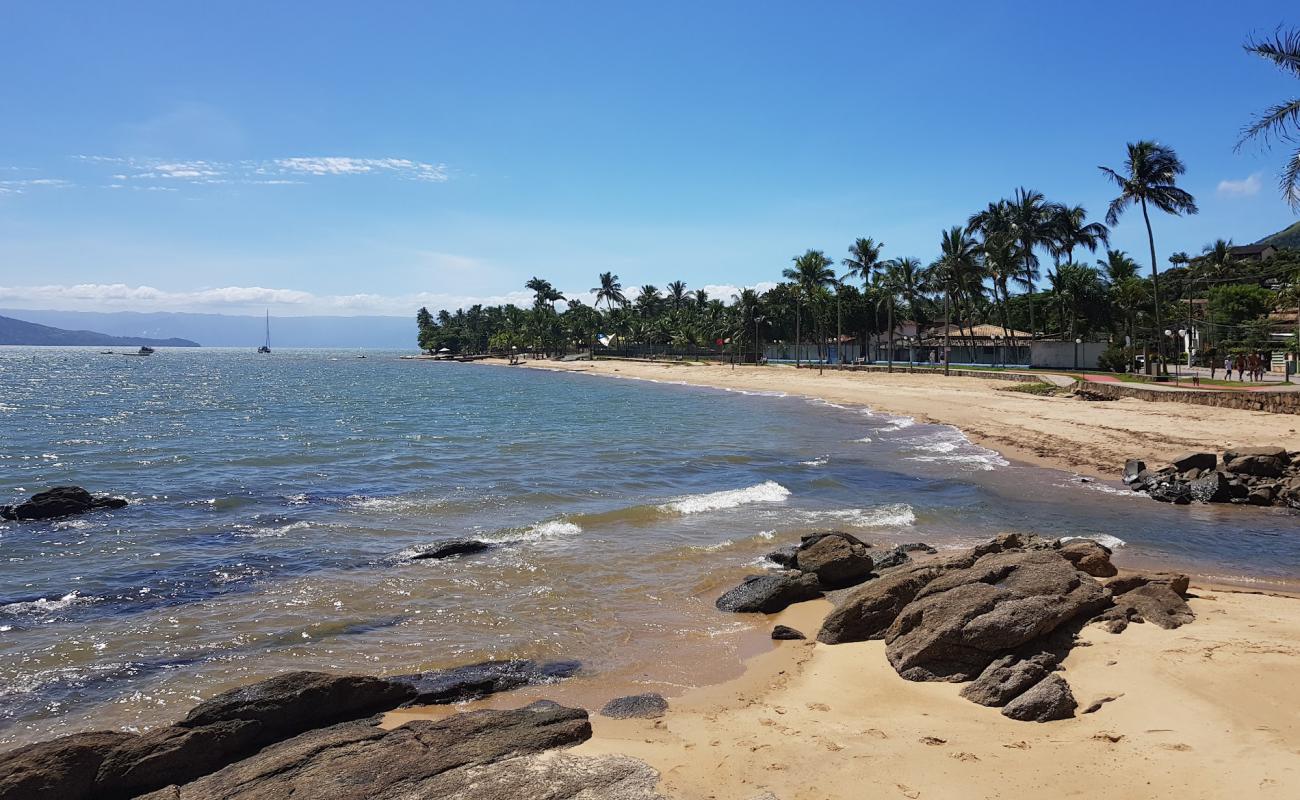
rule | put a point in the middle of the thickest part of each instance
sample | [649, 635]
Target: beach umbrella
[444, 349]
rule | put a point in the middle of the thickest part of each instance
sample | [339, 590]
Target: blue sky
[366, 158]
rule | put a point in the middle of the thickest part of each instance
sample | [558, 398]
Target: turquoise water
[275, 500]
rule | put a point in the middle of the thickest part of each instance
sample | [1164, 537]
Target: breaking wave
[765, 492]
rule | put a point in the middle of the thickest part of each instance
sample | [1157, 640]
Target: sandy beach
[1062, 432]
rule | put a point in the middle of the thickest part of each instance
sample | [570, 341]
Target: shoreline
[1092, 439]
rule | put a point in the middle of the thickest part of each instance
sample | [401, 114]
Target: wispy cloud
[1240, 188]
[342, 165]
[19, 186]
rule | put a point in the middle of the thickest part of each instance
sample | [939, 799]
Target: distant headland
[17, 332]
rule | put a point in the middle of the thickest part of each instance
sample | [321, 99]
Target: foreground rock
[1007, 678]
[768, 594]
[651, 705]
[837, 559]
[477, 680]
[1049, 699]
[61, 501]
[1245, 475]
[786, 633]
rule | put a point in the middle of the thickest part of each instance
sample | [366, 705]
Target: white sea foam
[864, 440]
[819, 461]
[766, 492]
[893, 515]
[46, 605]
[542, 531]
[755, 393]
[1103, 539]
[274, 531]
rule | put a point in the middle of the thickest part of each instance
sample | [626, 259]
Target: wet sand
[1060, 432]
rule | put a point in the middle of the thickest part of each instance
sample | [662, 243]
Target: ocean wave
[1103, 539]
[982, 461]
[272, 530]
[755, 392]
[765, 492]
[898, 424]
[540, 532]
[46, 605]
[864, 440]
[893, 515]
[819, 461]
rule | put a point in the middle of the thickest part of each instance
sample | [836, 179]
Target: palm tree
[958, 260]
[609, 290]
[1218, 256]
[1031, 223]
[811, 271]
[677, 294]
[1001, 262]
[541, 289]
[701, 298]
[1070, 229]
[1150, 177]
[862, 263]
[1282, 121]
[1118, 267]
[647, 300]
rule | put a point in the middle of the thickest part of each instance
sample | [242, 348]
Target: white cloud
[1240, 188]
[344, 165]
[294, 170]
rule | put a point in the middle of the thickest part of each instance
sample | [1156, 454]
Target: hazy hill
[1285, 238]
[16, 331]
[227, 330]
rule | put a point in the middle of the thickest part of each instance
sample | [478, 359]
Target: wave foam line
[765, 492]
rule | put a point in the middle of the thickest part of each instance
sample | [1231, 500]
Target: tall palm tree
[862, 264]
[1118, 266]
[700, 298]
[1031, 223]
[897, 279]
[1070, 229]
[1001, 262]
[1150, 177]
[811, 271]
[541, 289]
[1282, 121]
[647, 299]
[677, 294]
[609, 290]
[958, 261]
[1218, 254]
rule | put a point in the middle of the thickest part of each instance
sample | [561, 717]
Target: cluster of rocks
[61, 501]
[999, 617]
[1261, 476]
[314, 734]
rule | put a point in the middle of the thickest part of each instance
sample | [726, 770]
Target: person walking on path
[1239, 363]
[1227, 367]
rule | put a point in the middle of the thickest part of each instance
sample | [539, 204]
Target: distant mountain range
[226, 330]
[1285, 238]
[16, 331]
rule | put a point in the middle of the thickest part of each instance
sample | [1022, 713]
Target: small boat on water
[145, 351]
[266, 348]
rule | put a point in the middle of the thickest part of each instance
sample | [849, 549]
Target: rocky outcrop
[61, 501]
[837, 559]
[61, 769]
[1088, 556]
[1049, 699]
[651, 705]
[452, 547]
[868, 611]
[768, 594]
[1007, 678]
[477, 680]
[1260, 476]
[898, 556]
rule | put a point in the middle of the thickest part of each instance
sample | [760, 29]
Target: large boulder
[477, 680]
[1132, 469]
[836, 559]
[61, 501]
[785, 557]
[1007, 678]
[1258, 465]
[1279, 453]
[1132, 580]
[651, 705]
[60, 769]
[1212, 487]
[1190, 461]
[289, 704]
[173, 755]
[1156, 603]
[1170, 489]
[768, 594]
[1088, 556]
[1049, 699]
[868, 611]
[448, 758]
[963, 620]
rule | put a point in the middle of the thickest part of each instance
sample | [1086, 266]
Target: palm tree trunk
[797, 341]
[947, 327]
[1029, 281]
[891, 334]
[1155, 275]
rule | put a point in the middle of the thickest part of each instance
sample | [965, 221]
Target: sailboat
[266, 348]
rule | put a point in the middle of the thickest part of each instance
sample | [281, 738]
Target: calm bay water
[275, 500]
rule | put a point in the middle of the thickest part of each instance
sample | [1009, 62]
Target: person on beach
[1227, 367]
[1239, 364]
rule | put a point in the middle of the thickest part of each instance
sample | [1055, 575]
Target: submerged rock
[452, 547]
[641, 706]
[768, 594]
[478, 680]
[1049, 699]
[61, 501]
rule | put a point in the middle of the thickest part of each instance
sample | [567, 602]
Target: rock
[768, 594]
[1130, 581]
[1261, 495]
[452, 547]
[869, 610]
[782, 632]
[1259, 466]
[1279, 453]
[1169, 490]
[963, 620]
[896, 557]
[810, 539]
[60, 769]
[641, 706]
[1007, 678]
[785, 557]
[1132, 468]
[424, 758]
[1188, 461]
[837, 560]
[1156, 603]
[173, 755]
[1212, 487]
[1190, 475]
[61, 501]
[1088, 556]
[289, 704]
[478, 680]
[917, 547]
[1047, 700]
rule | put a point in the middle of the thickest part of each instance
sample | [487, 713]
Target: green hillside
[1285, 238]
[16, 331]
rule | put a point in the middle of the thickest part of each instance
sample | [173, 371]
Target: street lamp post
[1077, 342]
[757, 320]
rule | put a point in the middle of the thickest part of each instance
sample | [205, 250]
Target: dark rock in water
[60, 769]
[1156, 603]
[61, 501]
[289, 704]
[460, 756]
[784, 632]
[1170, 490]
[963, 620]
[1212, 487]
[1259, 466]
[1132, 469]
[1048, 700]
[452, 547]
[896, 557]
[768, 594]
[836, 559]
[1008, 678]
[641, 706]
[1088, 556]
[1193, 461]
[1127, 583]
[477, 680]
[785, 557]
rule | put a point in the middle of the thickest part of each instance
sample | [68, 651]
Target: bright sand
[1063, 432]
